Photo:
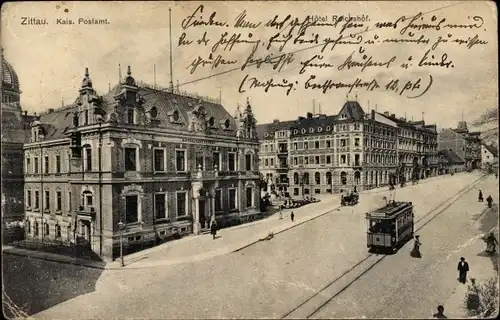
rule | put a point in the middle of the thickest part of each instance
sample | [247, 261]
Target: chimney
[402, 118]
[393, 115]
[386, 113]
[276, 121]
[373, 114]
[309, 115]
[25, 113]
[299, 119]
[51, 110]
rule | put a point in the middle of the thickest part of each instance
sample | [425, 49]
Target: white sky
[50, 60]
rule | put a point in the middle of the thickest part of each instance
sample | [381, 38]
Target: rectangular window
[272, 162]
[131, 209]
[180, 160]
[28, 198]
[342, 142]
[356, 142]
[37, 200]
[328, 143]
[232, 199]
[231, 161]
[342, 159]
[266, 162]
[86, 117]
[248, 162]
[46, 164]
[218, 200]
[58, 164]
[88, 159]
[69, 201]
[28, 165]
[88, 199]
[160, 211]
[181, 204]
[328, 159]
[306, 145]
[316, 160]
[159, 159]
[36, 165]
[58, 232]
[306, 160]
[130, 116]
[130, 159]
[295, 146]
[249, 198]
[47, 199]
[199, 161]
[216, 161]
[58, 201]
[316, 144]
[295, 161]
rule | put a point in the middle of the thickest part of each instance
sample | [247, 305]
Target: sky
[50, 59]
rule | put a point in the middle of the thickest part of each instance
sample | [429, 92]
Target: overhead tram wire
[307, 48]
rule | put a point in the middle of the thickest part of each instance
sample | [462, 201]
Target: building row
[160, 162]
[321, 153]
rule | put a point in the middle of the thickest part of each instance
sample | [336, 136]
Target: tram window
[382, 226]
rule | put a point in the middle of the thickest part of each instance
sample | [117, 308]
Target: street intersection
[318, 269]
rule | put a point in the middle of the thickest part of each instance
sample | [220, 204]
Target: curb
[52, 259]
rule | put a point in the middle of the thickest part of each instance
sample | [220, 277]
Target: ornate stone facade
[159, 162]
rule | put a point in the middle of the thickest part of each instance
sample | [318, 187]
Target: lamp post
[216, 186]
[121, 225]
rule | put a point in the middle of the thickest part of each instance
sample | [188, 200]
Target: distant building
[162, 163]
[14, 123]
[489, 154]
[467, 145]
[320, 154]
[450, 162]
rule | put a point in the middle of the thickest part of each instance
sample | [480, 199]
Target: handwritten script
[320, 53]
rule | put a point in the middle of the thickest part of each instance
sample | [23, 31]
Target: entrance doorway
[202, 218]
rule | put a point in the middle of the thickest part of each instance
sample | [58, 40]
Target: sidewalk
[482, 269]
[196, 248]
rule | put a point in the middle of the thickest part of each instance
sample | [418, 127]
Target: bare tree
[481, 300]
[488, 124]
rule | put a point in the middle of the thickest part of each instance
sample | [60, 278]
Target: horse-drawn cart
[349, 200]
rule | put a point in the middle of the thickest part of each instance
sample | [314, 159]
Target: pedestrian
[281, 213]
[415, 253]
[440, 313]
[463, 268]
[489, 200]
[491, 243]
[213, 228]
[480, 196]
[292, 216]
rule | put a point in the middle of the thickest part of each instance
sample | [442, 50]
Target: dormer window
[328, 128]
[130, 116]
[175, 115]
[154, 113]
[211, 122]
[320, 129]
[295, 131]
[227, 123]
[311, 130]
[304, 131]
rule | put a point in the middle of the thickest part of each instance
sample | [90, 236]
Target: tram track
[325, 295]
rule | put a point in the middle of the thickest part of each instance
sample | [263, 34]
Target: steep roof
[451, 156]
[58, 121]
[272, 127]
[491, 148]
[352, 111]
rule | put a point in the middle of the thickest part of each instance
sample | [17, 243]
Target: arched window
[175, 116]
[211, 121]
[306, 178]
[37, 231]
[328, 178]
[343, 177]
[296, 178]
[58, 231]
[28, 226]
[317, 178]
[87, 199]
[357, 177]
[68, 233]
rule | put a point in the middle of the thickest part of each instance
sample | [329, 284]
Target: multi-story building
[489, 154]
[14, 122]
[463, 142]
[416, 148]
[324, 154]
[159, 162]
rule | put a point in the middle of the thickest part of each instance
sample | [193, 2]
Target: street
[287, 275]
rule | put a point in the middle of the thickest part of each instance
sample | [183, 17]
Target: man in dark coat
[489, 200]
[440, 313]
[292, 216]
[463, 268]
[480, 196]
[213, 228]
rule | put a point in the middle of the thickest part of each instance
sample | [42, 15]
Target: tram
[390, 227]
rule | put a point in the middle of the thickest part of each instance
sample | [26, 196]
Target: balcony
[86, 211]
[283, 167]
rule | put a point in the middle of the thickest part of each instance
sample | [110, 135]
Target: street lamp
[121, 226]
